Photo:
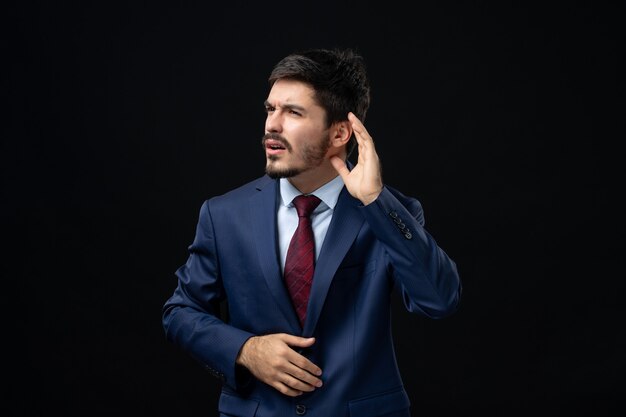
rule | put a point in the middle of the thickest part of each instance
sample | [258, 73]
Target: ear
[341, 132]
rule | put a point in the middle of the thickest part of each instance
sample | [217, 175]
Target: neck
[313, 179]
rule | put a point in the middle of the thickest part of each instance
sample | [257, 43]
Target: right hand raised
[271, 359]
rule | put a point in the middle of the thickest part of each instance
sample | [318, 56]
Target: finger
[303, 363]
[354, 120]
[304, 377]
[363, 138]
[296, 358]
[340, 166]
[287, 390]
[358, 126]
[297, 384]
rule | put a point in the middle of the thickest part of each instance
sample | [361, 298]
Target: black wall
[503, 120]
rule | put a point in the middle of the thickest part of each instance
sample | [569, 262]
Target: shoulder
[241, 194]
[234, 205]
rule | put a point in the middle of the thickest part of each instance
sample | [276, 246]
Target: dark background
[503, 120]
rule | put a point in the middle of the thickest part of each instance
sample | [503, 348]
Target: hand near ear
[364, 182]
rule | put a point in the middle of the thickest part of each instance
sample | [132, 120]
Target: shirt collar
[328, 193]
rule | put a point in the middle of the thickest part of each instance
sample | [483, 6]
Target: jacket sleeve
[191, 318]
[426, 276]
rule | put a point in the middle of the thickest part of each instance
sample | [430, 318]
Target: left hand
[364, 182]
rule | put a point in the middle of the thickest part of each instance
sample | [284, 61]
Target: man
[327, 350]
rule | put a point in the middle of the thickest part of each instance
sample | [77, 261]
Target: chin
[275, 171]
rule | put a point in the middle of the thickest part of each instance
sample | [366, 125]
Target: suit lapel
[263, 209]
[344, 226]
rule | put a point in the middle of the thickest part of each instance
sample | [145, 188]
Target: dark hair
[338, 77]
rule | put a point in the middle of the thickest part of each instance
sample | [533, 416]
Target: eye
[297, 113]
[269, 109]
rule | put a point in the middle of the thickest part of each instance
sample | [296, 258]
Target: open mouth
[274, 146]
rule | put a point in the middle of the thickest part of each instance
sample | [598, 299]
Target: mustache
[276, 137]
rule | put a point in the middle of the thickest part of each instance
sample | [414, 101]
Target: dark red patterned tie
[300, 261]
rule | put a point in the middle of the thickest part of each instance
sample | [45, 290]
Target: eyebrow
[286, 106]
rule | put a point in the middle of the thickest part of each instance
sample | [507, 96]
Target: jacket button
[393, 214]
[300, 409]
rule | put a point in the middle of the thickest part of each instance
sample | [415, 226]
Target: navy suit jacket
[368, 251]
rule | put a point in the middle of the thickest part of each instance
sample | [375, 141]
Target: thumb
[340, 166]
[298, 341]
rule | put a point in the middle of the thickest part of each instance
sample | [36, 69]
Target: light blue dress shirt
[320, 218]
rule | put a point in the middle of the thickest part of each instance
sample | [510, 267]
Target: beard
[311, 155]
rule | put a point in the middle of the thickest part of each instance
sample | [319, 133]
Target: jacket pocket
[230, 405]
[380, 404]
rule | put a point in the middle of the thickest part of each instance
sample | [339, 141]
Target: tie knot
[305, 204]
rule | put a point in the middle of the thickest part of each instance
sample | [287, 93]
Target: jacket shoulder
[243, 192]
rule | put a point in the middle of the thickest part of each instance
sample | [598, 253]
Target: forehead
[291, 92]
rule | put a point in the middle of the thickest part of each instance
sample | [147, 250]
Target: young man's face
[296, 138]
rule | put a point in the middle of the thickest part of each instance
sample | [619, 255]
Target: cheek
[305, 139]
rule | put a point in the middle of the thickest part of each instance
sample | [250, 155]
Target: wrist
[370, 198]
[242, 356]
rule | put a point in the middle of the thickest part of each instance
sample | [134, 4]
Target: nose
[273, 122]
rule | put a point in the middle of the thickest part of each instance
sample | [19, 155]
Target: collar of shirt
[328, 193]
